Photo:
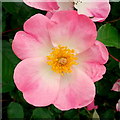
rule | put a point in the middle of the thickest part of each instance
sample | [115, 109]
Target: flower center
[61, 59]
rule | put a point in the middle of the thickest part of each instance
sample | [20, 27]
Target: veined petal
[94, 70]
[37, 81]
[78, 33]
[98, 53]
[76, 90]
[37, 26]
[25, 46]
[91, 61]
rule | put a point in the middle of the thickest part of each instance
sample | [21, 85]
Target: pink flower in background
[92, 106]
[116, 86]
[118, 106]
[61, 60]
[97, 10]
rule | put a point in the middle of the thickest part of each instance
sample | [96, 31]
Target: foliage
[14, 105]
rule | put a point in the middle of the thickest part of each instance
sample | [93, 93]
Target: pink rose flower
[97, 10]
[61, 60]
[118, 106]
[116, 86]
[92, 106]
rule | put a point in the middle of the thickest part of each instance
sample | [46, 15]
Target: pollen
[61, 59]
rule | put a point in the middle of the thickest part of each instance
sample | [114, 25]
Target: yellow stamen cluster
[61, 59]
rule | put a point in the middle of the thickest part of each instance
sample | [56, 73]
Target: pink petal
[98, 9]
[116, 86]
[76, 90]
[49, 14]
[91, 61]
[78, 33]
[94, 71]
[37, 82]
[98, 53]
[37, 26]
[48, 6]
[92, 106]
[63, 6]
[25, 46]
[118, 106]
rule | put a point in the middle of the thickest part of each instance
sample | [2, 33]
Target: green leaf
[111, 64]
[3, 21]
[18, 96]
[8, 65]
[109, 114]
[115, 9]
[8, 53]
[15, 110]
[12, 7]
[7, 75]
[55, 109]
[118, 24]
[42, 113]
[84, 114]
[70, 114]
[21, 11]
[109, 35]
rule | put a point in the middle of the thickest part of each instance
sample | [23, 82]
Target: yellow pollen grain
[61, 59]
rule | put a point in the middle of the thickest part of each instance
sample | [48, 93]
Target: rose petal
[116, 86]
[98, 53]
[92, 106]
[94, 70]
[78, 33]
[25, 46]
[48, 6]
[37, 81]
[37, 26]
[49, 14]
[98, 9]
[118, 106]
[91, 61]
[76, 90]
